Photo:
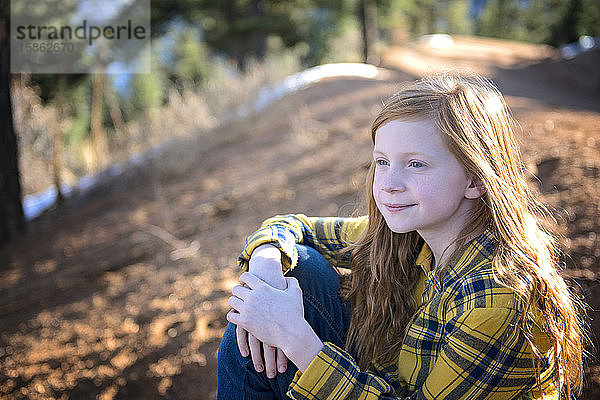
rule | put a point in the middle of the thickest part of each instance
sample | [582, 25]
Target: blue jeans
[324, 310]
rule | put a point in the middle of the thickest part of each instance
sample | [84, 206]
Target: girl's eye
[381, 162]
[416, 164]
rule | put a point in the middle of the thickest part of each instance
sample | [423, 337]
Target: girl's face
[419, 184]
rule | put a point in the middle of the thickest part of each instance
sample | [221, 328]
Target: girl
[454, 289]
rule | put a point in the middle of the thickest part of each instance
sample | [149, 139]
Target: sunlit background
[139, 189]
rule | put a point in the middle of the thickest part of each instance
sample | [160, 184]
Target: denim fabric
[324, 310]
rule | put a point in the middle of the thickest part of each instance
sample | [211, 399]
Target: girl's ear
[475, 189]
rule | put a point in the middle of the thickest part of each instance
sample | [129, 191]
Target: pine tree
[12, 220]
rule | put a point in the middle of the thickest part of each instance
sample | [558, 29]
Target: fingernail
[282, 369]
[244, 354]
[259, 368]
[271, 374]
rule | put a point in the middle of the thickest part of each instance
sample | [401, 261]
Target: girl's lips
[397, 207]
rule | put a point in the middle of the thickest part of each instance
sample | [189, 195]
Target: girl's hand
[265, 263]
[250, 345]
[273, 316]
[268, 313]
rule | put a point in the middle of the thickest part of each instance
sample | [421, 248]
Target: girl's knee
[311, 260]
[314, 272]
[306, 253]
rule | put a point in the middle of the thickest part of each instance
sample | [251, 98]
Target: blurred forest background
[121, 293]
[209, 58]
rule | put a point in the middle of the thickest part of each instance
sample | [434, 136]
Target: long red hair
[475, 123]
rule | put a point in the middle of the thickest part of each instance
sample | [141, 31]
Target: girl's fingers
[233, 317]
[235, 303]
[292, 283]
[250, 280]
[255, 352]
[282, 361]
[242, 340]
[270, 366]
[240, 291]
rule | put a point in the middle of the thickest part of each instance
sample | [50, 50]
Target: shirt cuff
[325, 377]
[285, 241]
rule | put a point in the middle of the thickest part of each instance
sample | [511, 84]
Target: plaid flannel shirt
[462, 344]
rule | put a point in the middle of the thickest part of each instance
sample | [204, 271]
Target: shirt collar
[476, 251]
[424, 258]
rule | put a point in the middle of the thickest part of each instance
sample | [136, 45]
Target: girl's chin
[402, 230]
[399, 229]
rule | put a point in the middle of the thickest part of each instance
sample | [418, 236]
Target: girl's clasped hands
[268, 311]
[269, 314]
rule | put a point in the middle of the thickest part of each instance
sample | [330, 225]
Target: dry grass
[188, 115]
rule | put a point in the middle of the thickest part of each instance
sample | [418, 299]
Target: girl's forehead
[402, 124]
[409, 136]
[400, 130]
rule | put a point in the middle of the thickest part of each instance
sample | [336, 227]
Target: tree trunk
[368, 14]
[114, 109]
[98, 139]
[12, 220]
[58, 136]
[431, 18]
[259, 40]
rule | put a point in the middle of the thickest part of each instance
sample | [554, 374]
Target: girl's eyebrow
[410, 153]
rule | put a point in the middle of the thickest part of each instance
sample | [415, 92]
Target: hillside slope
[124, 295]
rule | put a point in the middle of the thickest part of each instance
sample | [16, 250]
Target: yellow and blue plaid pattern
[462, 344]
[328, 235]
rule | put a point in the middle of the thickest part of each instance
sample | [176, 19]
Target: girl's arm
[271, 251]
[325, 234]
[479, 358]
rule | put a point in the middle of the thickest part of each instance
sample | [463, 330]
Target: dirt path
[124, 296]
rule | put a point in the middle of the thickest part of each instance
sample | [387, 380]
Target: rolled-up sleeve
[327, 235]
[333, 374]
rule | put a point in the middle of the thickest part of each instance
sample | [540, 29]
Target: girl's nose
[394, 188]
[393, 183]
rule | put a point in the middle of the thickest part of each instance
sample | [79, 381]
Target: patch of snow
[302, 79]
[437, 41]
[35, 204]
